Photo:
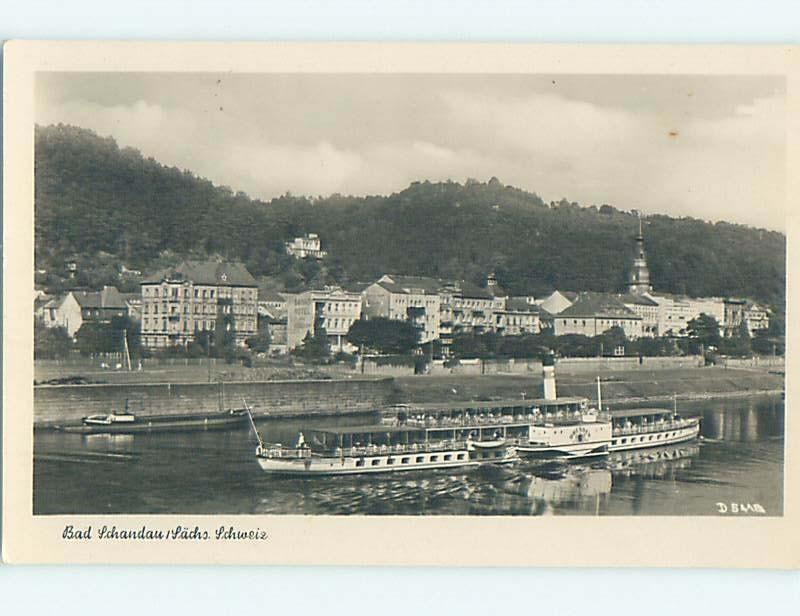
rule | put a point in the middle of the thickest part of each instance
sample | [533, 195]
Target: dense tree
[50, 342]
[385, 336]
[315, 347]
[261, 341]
[107, 206]
[704, 330]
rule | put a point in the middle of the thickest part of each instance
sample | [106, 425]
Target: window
[376, 462]
[420, 459]
[360, 462]
[448, 457]
[390, 461]
[404, 460]
[460, 456]
[434, 458]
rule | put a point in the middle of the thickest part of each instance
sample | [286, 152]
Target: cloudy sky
[709, 147]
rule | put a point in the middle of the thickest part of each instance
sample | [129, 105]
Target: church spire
[639, 276]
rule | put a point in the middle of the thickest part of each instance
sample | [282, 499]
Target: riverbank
[617, 387]
[67, 404]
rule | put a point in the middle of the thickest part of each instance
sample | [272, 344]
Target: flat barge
[125, 423]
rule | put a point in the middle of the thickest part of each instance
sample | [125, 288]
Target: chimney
[549, 374]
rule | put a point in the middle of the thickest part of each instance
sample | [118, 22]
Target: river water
[735, 468]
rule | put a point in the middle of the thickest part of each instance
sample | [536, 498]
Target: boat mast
[127, 350]
[599, 396]
[253, 423]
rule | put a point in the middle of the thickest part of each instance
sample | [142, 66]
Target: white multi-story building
[518, 316]
[415, 299]
[331, 309]
[646, 307]
[305, 247]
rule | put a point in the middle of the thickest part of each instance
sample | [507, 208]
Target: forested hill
[105, 206]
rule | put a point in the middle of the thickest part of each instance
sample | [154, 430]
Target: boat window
[434, 458]
[614, 442]
[390, 461]
[420, 459]
[376, 461]
[448, 457]
[460, 456]
[404, 461]
[498, 454]
[624, 441]
[360, 462]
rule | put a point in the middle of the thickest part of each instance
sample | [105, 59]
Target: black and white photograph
[406, 296]
[409, 294]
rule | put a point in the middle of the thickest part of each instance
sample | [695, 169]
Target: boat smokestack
[549, 374]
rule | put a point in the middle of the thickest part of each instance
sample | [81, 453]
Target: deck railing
[664, 426]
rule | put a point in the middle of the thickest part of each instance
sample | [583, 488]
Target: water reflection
[740, 457]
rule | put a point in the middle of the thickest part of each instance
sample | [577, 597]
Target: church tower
[639, 276]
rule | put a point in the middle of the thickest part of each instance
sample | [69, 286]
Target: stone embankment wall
[566, 365]
[66, 404]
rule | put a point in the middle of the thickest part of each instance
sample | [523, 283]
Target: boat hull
[328, 465]
[160, 423]
[577, 451]
[625, 442]
[318, 465]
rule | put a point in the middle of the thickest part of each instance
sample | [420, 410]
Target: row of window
[200, 309]
[199, 293]
[448, 457]
[337, 323]
[643, 439]
[200, 325]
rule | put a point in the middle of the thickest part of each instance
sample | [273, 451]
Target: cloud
[727, 166]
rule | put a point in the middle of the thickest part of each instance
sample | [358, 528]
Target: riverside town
[452, 348]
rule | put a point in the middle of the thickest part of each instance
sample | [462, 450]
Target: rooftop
[217, 273]
[521, 304]
[604, 305]
[633, 298]
[109, 297]
[408, 284]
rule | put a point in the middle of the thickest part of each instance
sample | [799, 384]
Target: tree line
[104, 206]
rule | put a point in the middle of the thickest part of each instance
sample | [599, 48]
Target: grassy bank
[621, 386]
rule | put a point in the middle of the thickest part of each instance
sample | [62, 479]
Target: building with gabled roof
[594, 313]
[195, 296]
[79, 307]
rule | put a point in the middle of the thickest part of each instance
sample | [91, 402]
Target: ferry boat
[580, 438]
[650, 427]
[376, 448]
[542, 428]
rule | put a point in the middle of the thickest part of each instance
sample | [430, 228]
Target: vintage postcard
[432, 304]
